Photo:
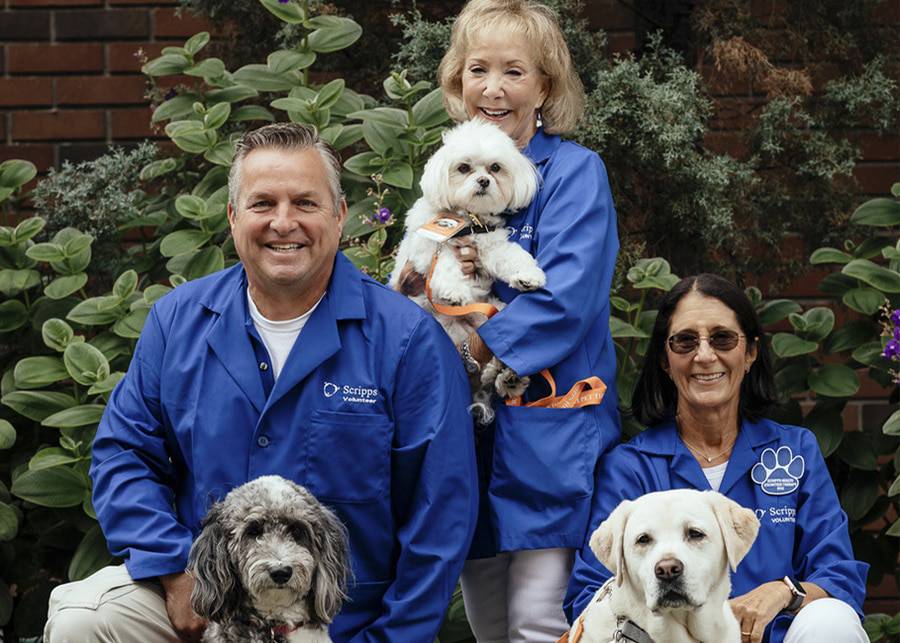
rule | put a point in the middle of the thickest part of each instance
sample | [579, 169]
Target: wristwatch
[471, 363]
[797, 595]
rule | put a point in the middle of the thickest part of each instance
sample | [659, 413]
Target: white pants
[517, 596]
[825, 620]
[109, 607]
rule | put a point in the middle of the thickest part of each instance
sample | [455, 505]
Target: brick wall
[70, 82]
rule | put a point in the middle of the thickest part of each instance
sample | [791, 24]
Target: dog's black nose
[281, 575]
[669, 569]
[484, 182]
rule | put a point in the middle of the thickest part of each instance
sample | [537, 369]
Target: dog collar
[627, 630]
[279, 633]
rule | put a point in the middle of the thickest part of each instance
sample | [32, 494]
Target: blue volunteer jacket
[803, 530]
[369, 413]
[537, 464]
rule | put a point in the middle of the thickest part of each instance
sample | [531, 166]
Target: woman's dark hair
[655, 397]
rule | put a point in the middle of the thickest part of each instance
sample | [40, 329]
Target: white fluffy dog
[478, 174]
[670, 552]
[270, 565]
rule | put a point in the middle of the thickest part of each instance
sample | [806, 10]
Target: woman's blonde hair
[537, 23]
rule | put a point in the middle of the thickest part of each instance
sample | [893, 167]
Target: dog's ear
[608, 540]
[333, 566]
[435, 181]
[739, 527]
[216, 593]
[525, 180]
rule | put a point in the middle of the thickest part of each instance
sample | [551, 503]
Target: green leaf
[216, 115]
[82, 415]
[834, 380]
[863, 300]
[37, 405]
[12, 282]
[789, 345]
[13, 315]
[289, 12]
[62, 287]
[166, 65]
[9, 524]
[621, 329]
[364, 164]
[388, 116]
[233, 94]
[125, 284]
[894, 531]
[262, 79]
[330, 93]
[15, 173]
[107, 385]
[284, 60]
[333, 33]
[251, 113]
[37, 372]
[157, 169]
[154, 292]
[195, 140]
[877, 212]
[348, 103]
[7, 435]
[209, 69]
[46, 252]
[429, 111]
[892, 425]
[57, 487]
[850, 337]
[818, 322]
[27, 229]
[895, 487]
[776, 310]
[91, 555]
[57, 334]
[85, 364]
[876, 276]
[95, 311]
[222, 153]
[196, 42]
[175, 108]
[345, 136]
[205, 262]
[836, 284]
[191, 207]
[181, 241]
[77, 245]
[869, 354]
[131, 325]
[859, 494]
[829, 255]
[857, 451]
[49, 458]
[399, 175]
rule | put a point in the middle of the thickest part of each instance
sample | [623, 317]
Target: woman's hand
[177, 588]
[756, 609]
[478, 349]
[466, 254]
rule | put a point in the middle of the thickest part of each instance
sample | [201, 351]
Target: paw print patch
[778, 473]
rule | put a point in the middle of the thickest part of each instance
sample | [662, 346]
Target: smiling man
[292, 363]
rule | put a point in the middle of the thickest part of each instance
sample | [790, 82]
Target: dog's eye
[495, 167]
[464, 168]
[300, 534]
[644, 539]
[254, 529]
[696, 534]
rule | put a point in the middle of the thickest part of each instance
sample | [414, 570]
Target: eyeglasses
[721, 341]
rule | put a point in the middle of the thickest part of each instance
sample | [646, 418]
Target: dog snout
[669, 569]
[484, 182]
[281, 575]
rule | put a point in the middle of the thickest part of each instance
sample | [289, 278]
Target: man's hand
[756, 609]
[187, 624]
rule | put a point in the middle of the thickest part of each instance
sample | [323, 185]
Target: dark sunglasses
[721, 340]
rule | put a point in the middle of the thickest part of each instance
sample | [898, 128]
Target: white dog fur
[270, 564]
[700, 533]
[478, 170]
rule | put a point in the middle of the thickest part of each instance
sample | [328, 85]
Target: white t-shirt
[715, 475]
[278, 336]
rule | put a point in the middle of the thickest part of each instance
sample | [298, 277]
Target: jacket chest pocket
[348, 456]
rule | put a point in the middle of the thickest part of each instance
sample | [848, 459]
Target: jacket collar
[663, 440]
[541, 146]
[230, 340]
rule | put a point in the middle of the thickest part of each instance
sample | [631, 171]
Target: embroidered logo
[351, 394]
[330, 389]
[778, 473]
[760, 513]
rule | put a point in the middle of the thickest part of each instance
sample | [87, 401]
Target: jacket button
[262, 441]
[263, 366]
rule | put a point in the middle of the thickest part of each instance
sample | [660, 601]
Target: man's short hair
[286, 136]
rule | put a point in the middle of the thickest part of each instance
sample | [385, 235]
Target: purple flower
[895, 317]
[897, 333]
[283, 1]
[383, 215]
[892, 349]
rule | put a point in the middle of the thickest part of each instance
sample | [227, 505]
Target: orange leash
[586, 392]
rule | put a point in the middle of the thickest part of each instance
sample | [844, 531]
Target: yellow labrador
[670, 552]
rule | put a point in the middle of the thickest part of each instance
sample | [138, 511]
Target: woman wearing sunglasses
[705, 385]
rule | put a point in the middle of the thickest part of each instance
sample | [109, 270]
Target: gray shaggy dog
[270, 564]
